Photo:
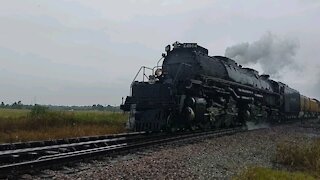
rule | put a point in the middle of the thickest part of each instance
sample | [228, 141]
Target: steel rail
[33, 144]
[149, 140]
[28, 154]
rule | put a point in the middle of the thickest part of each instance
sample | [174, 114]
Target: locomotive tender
[192, 90]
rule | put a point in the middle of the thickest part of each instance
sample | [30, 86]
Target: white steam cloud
[270, 51]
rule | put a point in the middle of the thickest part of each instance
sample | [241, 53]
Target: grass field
[267, 174]
[302, 159]
[300, 156]
[26, 125]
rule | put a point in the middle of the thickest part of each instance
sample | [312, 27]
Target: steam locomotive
[192, 90]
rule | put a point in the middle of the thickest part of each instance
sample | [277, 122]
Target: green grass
[13, 113]
[270, 174]
[98, 116]
[26, 125]
[302, 158]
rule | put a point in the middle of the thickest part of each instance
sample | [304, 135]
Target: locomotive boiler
[192, 90]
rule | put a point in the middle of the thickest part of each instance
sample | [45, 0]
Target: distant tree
[14, 105]
[17, 105]
[2, 104]
[100, 107]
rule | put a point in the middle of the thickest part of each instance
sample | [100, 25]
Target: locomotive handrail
[144, 67]
[159, 62]
[144, 74]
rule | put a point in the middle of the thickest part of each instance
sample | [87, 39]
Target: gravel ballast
[210, 158]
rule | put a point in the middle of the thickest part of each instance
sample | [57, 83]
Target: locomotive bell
[158, 72]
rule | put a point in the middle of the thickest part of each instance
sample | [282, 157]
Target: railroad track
[23, 157]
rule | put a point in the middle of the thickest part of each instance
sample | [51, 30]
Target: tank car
[192, 90]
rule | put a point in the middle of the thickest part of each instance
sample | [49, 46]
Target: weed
[270, 174]
[303, 156]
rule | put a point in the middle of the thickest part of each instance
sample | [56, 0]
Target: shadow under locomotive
[192, 90]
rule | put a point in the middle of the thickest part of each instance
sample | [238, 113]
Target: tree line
[98, 107]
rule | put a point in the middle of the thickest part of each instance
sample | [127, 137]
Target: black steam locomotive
[192, 90]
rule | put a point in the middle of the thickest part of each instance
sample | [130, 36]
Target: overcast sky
[86, 52]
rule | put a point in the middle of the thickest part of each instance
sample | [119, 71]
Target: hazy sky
[86, 52]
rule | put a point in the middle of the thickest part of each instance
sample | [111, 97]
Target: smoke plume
[270, 51]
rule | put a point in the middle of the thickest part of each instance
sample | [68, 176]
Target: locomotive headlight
[158, 72]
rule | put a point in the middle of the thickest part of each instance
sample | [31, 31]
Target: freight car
[309, 107]
[192, 90]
